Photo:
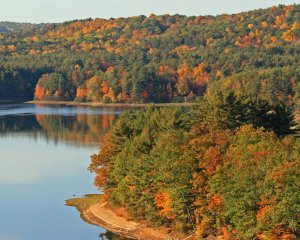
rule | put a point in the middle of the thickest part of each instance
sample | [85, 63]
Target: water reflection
[68, 125]
[31, 109]
[41, 165]
[79, 129]
[110, 236]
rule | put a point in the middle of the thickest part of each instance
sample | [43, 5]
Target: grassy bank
[84, 202]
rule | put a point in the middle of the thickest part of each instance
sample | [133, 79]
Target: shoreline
[95, 212]
[9, 101]
[100, 104]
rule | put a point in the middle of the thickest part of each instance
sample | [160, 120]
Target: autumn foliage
[171, 168]
[154, 59]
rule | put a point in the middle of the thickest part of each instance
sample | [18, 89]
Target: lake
[44, 155]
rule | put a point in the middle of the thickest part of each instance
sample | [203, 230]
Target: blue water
[44, 154]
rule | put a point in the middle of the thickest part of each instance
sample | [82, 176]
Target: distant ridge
[165, 58]
[15, 26]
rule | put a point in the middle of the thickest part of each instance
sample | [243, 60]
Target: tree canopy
[157, 58]
[236, 176]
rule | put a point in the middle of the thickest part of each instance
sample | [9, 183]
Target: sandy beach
[94, 211]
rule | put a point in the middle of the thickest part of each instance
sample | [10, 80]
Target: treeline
[17, 27]
[155, 59]
[213, 173]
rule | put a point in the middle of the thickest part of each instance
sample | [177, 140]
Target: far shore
[100, 104]
[9, 101]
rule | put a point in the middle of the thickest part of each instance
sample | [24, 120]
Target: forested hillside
[15, 27]
[156, 58]
[226, 169]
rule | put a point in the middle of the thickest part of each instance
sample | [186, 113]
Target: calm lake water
[44, 154]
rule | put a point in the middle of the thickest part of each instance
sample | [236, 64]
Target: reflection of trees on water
[19, 124]
[110, 236]
[85, 129]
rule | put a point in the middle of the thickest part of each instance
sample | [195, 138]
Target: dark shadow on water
[110, 236]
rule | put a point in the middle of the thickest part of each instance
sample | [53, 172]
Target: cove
[44, 155]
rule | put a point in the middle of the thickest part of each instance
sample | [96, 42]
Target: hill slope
[156, 58]
[14, 26]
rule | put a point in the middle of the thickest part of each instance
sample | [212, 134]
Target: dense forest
[227, 168]
[13, 27]
[154, 59]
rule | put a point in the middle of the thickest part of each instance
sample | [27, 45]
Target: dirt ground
[100, 215]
